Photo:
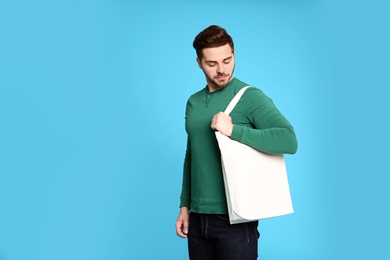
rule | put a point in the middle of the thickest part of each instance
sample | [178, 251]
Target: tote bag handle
[235, 100]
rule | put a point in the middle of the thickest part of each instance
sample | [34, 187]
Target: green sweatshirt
[257, 123]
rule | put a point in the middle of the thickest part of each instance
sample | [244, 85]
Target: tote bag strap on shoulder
[235, 100]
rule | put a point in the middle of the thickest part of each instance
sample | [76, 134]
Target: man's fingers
[222, 123]
[216, 119]
[185, 227]
[182, 228]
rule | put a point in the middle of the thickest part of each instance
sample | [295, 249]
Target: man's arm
[185, 197]
[272, 133]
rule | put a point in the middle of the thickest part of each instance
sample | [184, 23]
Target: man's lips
[222, 77]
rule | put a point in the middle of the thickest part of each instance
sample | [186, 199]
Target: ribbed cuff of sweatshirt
[238, 132]
[185, 202]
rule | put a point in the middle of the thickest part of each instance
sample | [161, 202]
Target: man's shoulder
[199, 92]
[239, 84]
[254, 96]
[251, 94]
[197, 95]
[253, 90]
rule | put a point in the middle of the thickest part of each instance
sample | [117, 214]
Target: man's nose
[220, 68]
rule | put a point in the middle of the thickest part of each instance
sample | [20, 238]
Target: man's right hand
[182, 222]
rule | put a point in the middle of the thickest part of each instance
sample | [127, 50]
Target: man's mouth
[220, 77]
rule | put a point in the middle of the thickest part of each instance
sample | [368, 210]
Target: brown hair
[212, 36]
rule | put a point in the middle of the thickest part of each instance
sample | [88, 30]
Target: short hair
[212, 36]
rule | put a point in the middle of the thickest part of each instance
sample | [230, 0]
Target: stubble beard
[218, 84]
[221, 84]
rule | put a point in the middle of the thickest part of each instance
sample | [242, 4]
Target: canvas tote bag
[256, 183]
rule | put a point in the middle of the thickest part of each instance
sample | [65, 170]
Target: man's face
[218, 66]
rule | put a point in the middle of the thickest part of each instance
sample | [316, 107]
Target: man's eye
[211, 64]
[226, 61]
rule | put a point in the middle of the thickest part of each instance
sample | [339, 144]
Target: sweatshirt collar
[231, 83]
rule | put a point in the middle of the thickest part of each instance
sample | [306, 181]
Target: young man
[255, 121]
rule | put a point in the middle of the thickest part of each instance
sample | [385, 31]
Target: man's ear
[198, 61]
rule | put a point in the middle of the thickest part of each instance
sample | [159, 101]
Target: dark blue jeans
[212, 237]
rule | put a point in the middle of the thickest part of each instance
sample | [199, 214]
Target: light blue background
[92, 99]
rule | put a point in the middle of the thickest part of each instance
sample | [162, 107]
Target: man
[255, 121]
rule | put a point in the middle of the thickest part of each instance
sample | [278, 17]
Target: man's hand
[182, 222]
[222, 123]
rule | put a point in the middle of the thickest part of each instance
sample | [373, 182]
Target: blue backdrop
[92, 99]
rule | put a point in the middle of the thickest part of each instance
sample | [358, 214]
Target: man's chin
[218, 84]
[222, 83]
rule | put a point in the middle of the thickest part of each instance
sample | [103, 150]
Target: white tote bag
[256, 183]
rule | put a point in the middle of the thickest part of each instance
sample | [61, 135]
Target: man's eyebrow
[228, 58]
[213, 61]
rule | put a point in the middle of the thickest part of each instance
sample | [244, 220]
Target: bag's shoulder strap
[235, 100]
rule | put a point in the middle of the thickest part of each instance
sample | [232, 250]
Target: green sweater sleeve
[268, 130]
[185, 197]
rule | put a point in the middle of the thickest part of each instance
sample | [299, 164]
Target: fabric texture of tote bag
[256, 183]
